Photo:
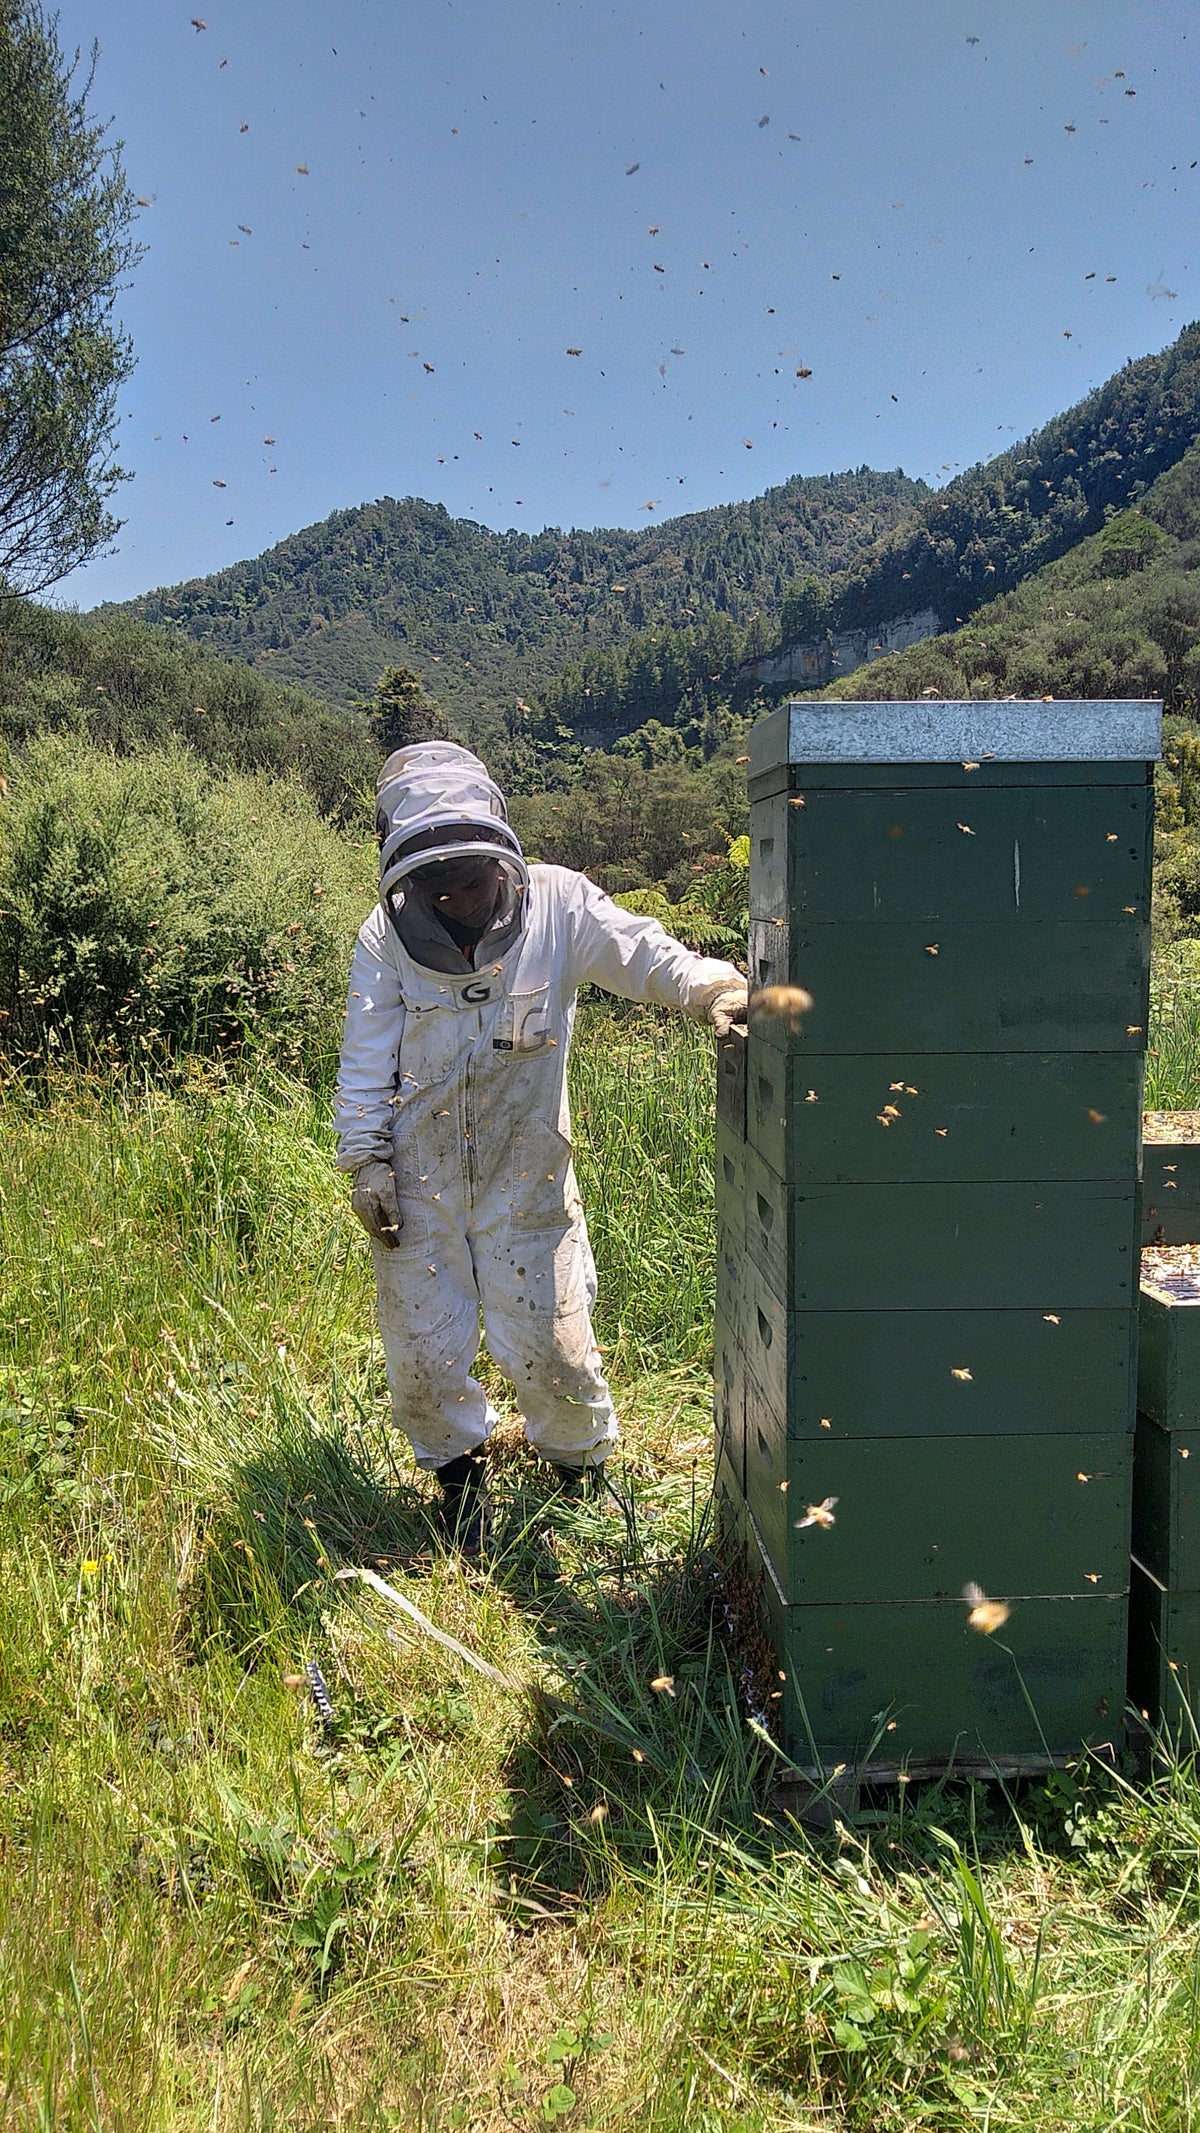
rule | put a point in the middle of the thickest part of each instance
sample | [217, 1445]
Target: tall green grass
[1173, 1051]
[570, 1896]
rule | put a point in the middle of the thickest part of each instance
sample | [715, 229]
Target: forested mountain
[992, 529]
[1118, 616]
[995, 525]
[528, 640]
[486, 617]
[543, 650]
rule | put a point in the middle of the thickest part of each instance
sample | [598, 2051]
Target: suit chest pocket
[524, 1024]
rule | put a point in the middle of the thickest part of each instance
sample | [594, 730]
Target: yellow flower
[90, 1567]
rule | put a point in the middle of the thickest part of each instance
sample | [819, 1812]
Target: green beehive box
[729, 1177]
[889, 1684]
[942, 1373]
[1164, 1653]
[731, 1083]
[1166, 1503]
[945, 855]
[958, 987]
[736, 1550]
[857, 743]
[915, 1682]
[729, 1399]
[1170, 1192]
[907, 1117]
[737, 1285]
[941, 1219]
[1169, 1353]
[946, 1246]
[919, 1518]
[734, 1281]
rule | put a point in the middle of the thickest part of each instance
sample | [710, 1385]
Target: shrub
[713, 914]
[149, 908]
[112, 682]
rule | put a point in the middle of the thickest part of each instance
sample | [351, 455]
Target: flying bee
[783, 1003]
[820, 1514]
[985, 1615]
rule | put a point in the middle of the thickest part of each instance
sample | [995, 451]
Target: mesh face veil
[433, 796]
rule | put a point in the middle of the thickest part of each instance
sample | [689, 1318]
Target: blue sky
[376, 229]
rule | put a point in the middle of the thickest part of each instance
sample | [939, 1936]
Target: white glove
[374, 1201]
[728, 1006]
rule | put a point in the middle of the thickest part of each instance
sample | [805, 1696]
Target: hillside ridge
[1000, 521]
[1117, 616]
[485, 616]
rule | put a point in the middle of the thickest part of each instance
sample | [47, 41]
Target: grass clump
[1173, 1052]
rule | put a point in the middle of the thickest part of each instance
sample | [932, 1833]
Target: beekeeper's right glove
[727, 1006]
[374, 1201]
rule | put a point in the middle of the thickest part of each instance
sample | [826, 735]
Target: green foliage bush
[713, 916]
[118, 684]
[149, 908]
[634, 826]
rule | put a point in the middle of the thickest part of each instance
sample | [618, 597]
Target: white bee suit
[457, 1077]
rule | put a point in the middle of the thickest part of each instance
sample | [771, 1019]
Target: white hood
[436, 799]
[433, 797]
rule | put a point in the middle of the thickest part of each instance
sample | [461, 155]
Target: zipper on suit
[470, 1168]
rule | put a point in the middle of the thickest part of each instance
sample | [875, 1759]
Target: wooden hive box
[1164, 1642]
[1171, 1178]
[936, 1285]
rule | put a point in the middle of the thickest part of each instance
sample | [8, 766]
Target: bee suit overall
[453, 1070]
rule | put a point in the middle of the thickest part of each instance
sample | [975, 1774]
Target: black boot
[590, 1485]
[461, 1484]
[579, 1483]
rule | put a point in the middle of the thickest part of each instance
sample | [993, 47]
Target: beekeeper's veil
[435, 800]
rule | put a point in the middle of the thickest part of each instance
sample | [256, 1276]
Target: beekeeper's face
[465, 890]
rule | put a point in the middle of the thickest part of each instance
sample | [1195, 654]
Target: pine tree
[400, 713]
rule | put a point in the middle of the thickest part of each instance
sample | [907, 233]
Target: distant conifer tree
[400, 712]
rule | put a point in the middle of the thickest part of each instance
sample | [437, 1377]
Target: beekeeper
[452, 1115]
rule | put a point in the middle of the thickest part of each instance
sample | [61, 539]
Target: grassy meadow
[560, 1896]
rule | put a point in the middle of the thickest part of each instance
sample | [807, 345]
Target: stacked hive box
[1164, 1638]
[929, 1228]
[1170, 1182]
[729, 1332]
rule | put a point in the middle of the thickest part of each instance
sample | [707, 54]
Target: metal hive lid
[925, 731]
